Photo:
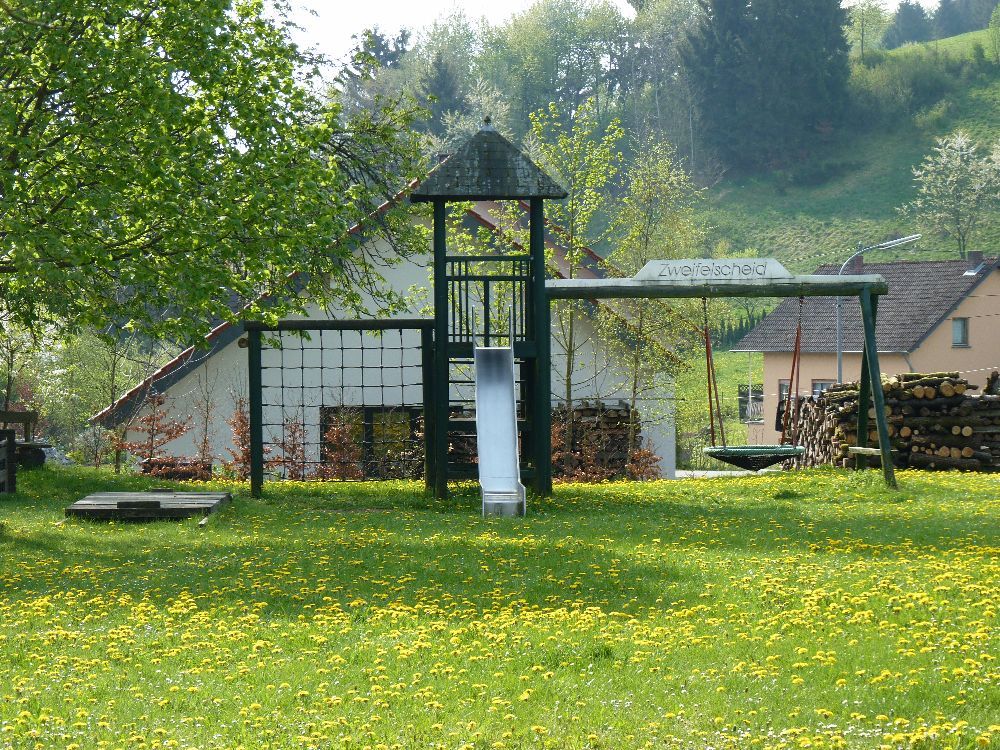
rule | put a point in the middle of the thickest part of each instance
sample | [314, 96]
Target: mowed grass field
[783, 611]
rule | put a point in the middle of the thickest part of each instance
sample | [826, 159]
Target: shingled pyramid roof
[487, 167]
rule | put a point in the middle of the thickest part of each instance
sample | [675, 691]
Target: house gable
[982, 309]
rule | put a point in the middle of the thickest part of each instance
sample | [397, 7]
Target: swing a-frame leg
[871, 394]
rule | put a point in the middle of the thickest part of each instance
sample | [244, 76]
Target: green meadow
[813, 609]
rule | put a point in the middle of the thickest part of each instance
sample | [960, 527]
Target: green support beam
[427, 368]
[440, 402]
[541, 428]
[256, 412]
[869, 310]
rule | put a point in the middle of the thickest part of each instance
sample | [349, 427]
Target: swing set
[753, 457]
[758, 277]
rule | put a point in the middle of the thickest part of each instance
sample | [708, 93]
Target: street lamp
[861, 251]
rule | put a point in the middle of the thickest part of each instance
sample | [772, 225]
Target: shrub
[154, 429]
[934, 118]
[890, 87]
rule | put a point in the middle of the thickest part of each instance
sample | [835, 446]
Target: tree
[948, 20]
[995, 33]
[293, 443]
[164, 165]
[373, 54]
[443, 92]
[909, 24]
[204, 411]
[584, 158]
[460, 125]
[655, 220]
[341, 455]
[868, 21]
[980, 12]
[957, 187]
[154, 429]
[557, 51]
[16, 349]
[660, 94]
[768, 76]
[77, 376]
[238, 465]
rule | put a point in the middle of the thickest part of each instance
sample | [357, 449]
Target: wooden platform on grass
[147, 506]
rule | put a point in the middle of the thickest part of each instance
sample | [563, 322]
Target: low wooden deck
[147, 506]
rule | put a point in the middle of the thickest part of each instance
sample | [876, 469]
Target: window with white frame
[959, 331]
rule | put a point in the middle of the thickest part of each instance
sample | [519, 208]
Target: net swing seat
[754, 457]
[751, 457]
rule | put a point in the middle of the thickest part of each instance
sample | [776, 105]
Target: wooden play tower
[489, 167]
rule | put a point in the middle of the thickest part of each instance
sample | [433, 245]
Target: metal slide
[496, 432]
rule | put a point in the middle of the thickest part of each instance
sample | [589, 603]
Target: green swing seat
[754, 457]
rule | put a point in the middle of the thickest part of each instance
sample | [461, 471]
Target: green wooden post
[427, 370]
[256, 410]
[440, 378]
[864, 403]
[541, 329]
[869, 310]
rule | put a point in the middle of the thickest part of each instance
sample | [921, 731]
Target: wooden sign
[714, 269]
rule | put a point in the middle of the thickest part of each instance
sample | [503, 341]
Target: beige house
[938, 316]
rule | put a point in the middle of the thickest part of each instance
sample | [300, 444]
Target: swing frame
[660, 280]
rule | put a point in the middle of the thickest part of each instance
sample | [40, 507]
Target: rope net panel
[343, 404]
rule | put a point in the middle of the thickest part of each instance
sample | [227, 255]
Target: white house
[213, 373]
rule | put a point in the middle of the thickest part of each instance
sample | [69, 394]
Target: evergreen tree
[442, 91]
[767, 75]
[981, 12]
[910, 24]
[948, 19]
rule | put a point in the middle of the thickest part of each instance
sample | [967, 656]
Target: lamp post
[861, 251]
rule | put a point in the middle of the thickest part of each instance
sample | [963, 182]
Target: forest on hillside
[736, 87]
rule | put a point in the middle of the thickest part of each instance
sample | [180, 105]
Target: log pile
[602, 428]
[600, 441]
[934, 422]
[181, 469]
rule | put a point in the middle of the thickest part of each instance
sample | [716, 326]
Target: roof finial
[488, 123]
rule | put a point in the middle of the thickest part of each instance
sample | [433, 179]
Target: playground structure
[513, 366]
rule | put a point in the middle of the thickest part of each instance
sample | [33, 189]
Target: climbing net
[344, 400]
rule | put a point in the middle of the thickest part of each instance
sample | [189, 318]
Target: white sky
[330, 30]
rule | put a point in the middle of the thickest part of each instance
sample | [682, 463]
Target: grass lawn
[805, 610]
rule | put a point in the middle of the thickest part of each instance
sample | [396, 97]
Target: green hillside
[816, 211]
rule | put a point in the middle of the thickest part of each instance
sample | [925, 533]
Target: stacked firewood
[600, 431]
[934, 422]
[600, 440]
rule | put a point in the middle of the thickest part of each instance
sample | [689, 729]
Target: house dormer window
[959, 332]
